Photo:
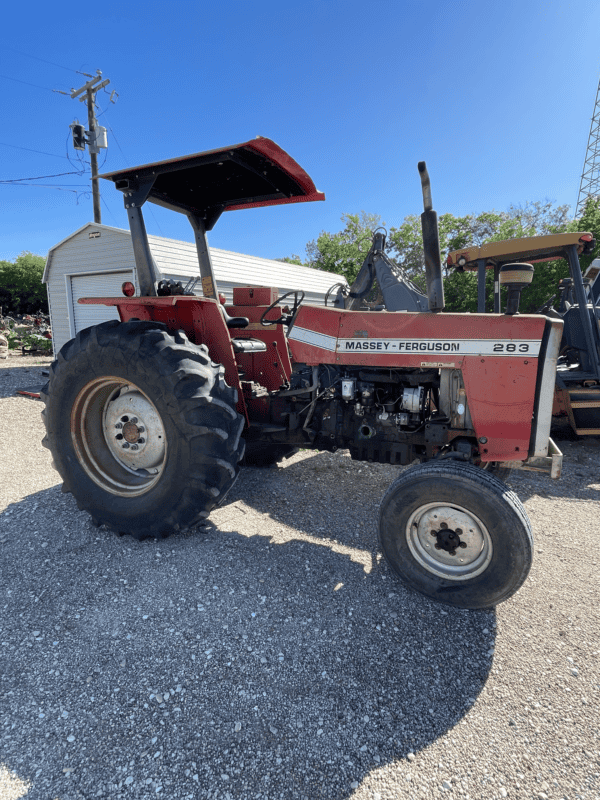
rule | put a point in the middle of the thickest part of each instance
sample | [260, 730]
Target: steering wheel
[284, 319]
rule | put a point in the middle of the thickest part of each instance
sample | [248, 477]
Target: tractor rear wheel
[457, 534]
[142, 427]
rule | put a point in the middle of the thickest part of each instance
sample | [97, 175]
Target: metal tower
[590, 177]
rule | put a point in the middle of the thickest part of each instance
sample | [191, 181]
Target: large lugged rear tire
[457, 534]
[142, 427]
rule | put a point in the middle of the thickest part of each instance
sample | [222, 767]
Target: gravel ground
[271, 654]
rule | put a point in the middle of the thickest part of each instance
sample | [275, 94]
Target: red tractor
[148, 418]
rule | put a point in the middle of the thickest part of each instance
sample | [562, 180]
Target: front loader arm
[399, 292]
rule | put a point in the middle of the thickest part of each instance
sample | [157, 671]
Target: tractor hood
[248, 175]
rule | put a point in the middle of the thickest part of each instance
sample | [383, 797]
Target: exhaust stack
[431, 245]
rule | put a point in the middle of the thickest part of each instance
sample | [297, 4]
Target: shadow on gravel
[12, 378]
[229, 663]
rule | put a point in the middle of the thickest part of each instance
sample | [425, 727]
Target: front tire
[456, 534]
[142, 427]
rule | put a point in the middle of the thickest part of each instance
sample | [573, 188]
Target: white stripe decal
[460, 347]
[312, 337]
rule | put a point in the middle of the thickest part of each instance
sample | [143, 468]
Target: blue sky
[496, 97]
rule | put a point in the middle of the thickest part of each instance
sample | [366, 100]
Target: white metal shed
[95, 260]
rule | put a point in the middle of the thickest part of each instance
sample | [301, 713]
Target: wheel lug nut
[134, 447]
[437, 546]
[141, 440]
[119, 425]
[134, 420]
[141, 429]
[458, 531]
[462, 544]
[433, 533]
[125, 445]
[443, 525]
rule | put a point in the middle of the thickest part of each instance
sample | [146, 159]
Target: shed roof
[229, 265]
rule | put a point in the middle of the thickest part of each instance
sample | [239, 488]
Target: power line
[37, 58]
[41, 177]
[59, 187]
[26, 83]
[118, 145]
[29, 150]
[127, 164]
[110, 212]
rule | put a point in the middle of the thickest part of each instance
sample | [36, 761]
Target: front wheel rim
[118, 436]
[449, 541]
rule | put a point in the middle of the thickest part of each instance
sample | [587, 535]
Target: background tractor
[148, 418]
[577, 387]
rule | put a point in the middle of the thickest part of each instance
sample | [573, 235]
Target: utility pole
[96, 135]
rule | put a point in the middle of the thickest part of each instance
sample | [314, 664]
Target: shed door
[100, 284]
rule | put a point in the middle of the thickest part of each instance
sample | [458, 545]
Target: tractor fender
[199, 317]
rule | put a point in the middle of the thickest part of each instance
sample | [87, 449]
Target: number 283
[511, 348]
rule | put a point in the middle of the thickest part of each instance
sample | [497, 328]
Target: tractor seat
[248, 345]
[234, 322]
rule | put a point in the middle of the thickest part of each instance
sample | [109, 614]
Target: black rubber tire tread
[197, 408]
[265, 454]
[492, 501]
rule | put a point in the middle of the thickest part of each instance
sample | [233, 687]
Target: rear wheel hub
[118, 436]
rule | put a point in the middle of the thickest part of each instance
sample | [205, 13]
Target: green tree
[590, 222]
[344, 252]
[460, 289]
[21, 287]
[548, 274]
[293, 259]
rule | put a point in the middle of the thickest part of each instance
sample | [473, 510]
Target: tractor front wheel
[457, 534]
[142, 427]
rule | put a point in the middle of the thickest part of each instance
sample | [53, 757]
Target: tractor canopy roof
[247, 175]
[533, 248]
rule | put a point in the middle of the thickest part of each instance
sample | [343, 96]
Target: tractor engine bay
[383, 415]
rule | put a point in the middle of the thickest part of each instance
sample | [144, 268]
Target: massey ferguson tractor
[148, 418]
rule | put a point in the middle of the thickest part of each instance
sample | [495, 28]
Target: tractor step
[584, 411]
[248, 345]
